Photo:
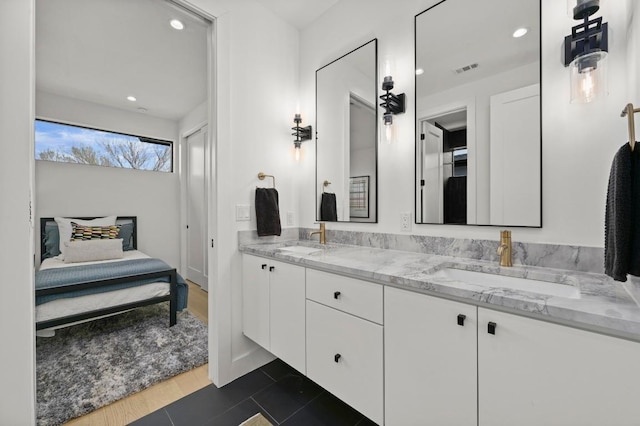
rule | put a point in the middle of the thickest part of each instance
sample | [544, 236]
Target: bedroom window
[66, 143]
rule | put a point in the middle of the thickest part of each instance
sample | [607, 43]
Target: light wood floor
[149, 400]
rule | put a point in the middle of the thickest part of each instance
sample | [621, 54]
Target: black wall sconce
[392, 104]
[585, 52]
[301, 133]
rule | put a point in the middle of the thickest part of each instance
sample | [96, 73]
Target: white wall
[154, 197]
[81, 190]
[579, 141]
[633, 51]
[17, 361]
[257, 88]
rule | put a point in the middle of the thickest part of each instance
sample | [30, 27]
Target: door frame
[430, 113]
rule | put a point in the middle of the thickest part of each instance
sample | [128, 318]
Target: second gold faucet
[504, 249]
[321, 233]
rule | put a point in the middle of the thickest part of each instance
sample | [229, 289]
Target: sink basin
[301, 250]
[512, 283]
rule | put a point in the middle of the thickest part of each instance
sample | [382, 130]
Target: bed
[70, 291]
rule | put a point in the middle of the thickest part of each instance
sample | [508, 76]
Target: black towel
[328, 210]
[455, 200]
[267, 212]
[634, 261]
[619, 215]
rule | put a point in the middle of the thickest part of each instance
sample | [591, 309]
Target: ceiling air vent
[466, 68]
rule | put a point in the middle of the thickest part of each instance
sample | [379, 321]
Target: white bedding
[75, 305]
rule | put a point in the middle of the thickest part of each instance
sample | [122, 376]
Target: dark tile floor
[284, 396]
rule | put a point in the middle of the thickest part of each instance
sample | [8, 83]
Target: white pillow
[64, 227]
[91, 250]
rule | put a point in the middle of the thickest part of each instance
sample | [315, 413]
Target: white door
[430, 174]
[197, 208]
[515, 157]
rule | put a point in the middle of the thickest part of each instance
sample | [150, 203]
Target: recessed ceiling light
[520, 32]
[419, 71]
[178, 25]
[131, 98]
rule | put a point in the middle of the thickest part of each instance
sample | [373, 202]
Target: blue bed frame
[172, 297]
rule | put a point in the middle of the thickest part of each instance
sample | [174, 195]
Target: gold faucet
[504, 249]
[321, 232]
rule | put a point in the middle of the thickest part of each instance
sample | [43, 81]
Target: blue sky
[61, 137]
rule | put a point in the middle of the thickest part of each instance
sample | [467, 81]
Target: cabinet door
[532, 372]
[430, 360]
[255, 299]
[287, 313]
[344, 355]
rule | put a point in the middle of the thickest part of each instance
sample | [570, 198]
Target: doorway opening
[90, 87]
[441, 168]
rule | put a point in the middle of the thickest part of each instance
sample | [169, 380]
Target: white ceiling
[298, 13]
[103, 51]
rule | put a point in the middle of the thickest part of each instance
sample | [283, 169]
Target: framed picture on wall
[359, 196]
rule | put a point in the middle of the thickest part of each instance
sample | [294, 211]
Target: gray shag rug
[90, 365]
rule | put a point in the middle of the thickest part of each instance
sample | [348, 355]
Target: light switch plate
[290, 219]
[243, 212]
[405, 221]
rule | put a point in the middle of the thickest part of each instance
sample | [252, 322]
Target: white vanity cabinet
[345, 340]
[533, 372]
[501, 369]
[430, 360]
[404, 358]
[273, 307]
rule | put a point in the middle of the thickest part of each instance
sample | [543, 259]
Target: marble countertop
[600, 304]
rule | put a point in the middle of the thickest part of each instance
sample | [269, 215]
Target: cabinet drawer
[344, 355]
[357, 297]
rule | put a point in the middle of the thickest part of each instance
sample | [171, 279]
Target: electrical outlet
[290, 219]
[405, 222]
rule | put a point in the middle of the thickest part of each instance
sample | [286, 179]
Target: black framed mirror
[346, 137]
[478, 113]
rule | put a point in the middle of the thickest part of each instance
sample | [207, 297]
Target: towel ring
[261, 176]
[629, 111]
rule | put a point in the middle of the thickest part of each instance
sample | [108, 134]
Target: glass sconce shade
[388, 129]
[392, 104]
[301, 133]
[588, 77]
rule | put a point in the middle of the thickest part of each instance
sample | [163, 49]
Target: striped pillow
[87, 232]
